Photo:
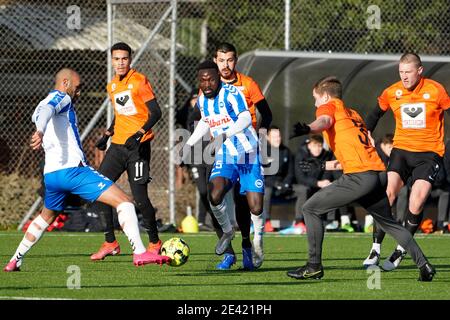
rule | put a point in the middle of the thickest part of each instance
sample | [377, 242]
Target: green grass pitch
[45, 272]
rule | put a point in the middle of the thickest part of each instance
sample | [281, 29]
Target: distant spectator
[308, 181]
[279, 183]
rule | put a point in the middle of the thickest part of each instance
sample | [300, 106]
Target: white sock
[368, 220]
[258, 226]
[129, 223]
[229, 203]
[399, 247]
[36, 228]
[376, 247]
[221, 214]
[345, 220]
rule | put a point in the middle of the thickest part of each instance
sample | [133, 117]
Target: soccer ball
[176, 249]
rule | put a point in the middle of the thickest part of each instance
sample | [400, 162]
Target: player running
[226, 60]
[224, 113]
[347, 136]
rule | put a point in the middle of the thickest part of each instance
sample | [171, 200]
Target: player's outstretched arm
[322, 123]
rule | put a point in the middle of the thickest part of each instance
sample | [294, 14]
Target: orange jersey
[348, 139]
[128, 97]
[419, 117]
[251, 91]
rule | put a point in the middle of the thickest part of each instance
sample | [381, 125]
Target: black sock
[378, 234]
[246, 243]
[151, 227]
[314, 266]
[413, 221]
[108, 220]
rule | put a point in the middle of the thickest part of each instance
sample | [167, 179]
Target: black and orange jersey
[348, 138]
[128, 97]
[251, 91]
[419, 117]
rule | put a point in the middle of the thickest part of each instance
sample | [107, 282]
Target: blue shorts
[250, 176]
[82, 181]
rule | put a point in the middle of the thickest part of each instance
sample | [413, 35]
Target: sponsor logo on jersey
[413, 112]
[413, 115]
[122, 100]
[216, 123]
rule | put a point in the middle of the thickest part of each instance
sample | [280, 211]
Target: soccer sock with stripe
[36, 229]
[221, 214]
[229, 203]
[258, 227]
[412, 223]
[128, 221]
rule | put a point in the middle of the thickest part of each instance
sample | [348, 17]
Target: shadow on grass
[288, 282]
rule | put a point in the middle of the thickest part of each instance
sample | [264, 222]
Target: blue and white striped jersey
[222, 111]
[61, 142]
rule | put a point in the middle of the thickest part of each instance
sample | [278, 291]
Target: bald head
[68, 81]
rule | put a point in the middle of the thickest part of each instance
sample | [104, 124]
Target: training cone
[189, 223]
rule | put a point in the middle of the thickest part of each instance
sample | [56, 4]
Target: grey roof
[287, 78]
[44, 27]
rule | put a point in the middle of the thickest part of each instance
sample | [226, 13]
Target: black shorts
[119, 159]
[417, 165]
